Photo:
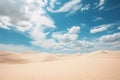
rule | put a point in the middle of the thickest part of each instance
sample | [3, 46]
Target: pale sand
[100, 65]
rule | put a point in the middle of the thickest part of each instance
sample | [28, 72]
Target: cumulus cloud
[70, 35]
[58, 40]
[25, 14]
[100, 28]
[29, 16]
[112, 40]
[104, 42]
[69, 42]
[74, 29]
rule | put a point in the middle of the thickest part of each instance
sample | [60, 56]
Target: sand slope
[100, 65]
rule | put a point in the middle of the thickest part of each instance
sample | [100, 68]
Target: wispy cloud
[70, 7]
[112, 8]
[98, 19]
[53, 3]
[100, 28]
[100, 5]
[119, 28]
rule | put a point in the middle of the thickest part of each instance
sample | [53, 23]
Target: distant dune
[99, 65]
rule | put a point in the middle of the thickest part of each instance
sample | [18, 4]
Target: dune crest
[99, 65]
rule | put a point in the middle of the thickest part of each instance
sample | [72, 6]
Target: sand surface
[99, 65]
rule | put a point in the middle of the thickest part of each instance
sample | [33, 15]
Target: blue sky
[59, 26]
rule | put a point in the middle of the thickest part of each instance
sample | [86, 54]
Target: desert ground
[99, 65]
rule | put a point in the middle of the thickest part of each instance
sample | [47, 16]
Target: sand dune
[11, 57]
[99, 65]
[105, 54]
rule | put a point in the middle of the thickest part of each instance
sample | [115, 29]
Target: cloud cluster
[27, 16]
[24, 14]
[85, 8]
[62, 41]
[30, 17]
[69, 42]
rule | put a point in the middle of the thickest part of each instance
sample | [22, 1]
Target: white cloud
[69, 42]
[4, 22]
[110, 38]
[100, 28]
[110, 41]
[74, 29]
[105, 42]
[28, 16]
[100, 5]
[112, 8]
[53, 3]
[70, 7]
[16, 48]
[98, 19]
[119, 28]
[23, 26]
[69, 36]
[86, 44]
[39, 38]
[101, 2]
[25, 14]
[86, 7]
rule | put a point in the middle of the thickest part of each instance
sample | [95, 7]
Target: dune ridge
[98, 65]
